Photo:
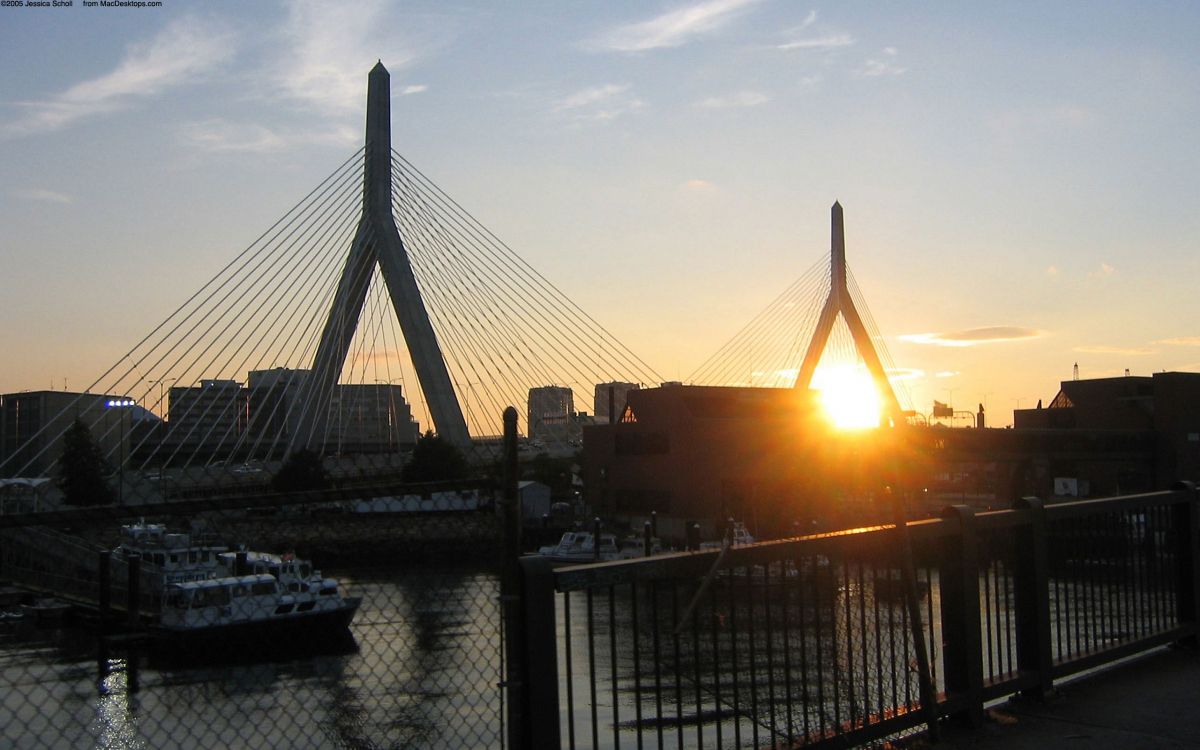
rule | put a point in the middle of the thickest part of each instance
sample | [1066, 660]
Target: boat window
[159, 559]
[199, 598]
[305, 570]
[191, 556]
[174, 557]
[178, 599]
[204, 556]
[297, 587]
[240, 590]
[283, 609]
[219, 597]
[261, 588]
[329, 591]
[305, 606]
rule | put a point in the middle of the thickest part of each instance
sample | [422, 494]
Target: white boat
[741, 536]
[181, 557]
[580, 547]
[254, 608]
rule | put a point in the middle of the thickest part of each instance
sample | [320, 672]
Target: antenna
[1076, 374]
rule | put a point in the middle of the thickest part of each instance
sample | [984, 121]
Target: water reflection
[419, 670]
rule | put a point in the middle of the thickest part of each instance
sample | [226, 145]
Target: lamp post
[122, 404]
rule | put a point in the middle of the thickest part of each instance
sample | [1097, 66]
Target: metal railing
[811, 641]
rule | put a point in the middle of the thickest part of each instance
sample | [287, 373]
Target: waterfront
[422, 672]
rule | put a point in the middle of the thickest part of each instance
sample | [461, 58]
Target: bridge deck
[1149, 702]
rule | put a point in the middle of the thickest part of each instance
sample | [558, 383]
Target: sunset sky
[1021, 181]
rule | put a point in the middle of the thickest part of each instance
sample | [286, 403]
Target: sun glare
[849, 397]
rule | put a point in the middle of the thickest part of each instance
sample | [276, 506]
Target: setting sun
[849, 396]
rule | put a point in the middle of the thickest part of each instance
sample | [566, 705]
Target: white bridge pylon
[377, 240]
[839, 301]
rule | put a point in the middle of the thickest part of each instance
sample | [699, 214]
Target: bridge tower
[839, 301]
[377, 240]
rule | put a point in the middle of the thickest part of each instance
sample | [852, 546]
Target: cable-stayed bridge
[377, 304]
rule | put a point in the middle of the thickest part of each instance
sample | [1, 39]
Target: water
[421, 672]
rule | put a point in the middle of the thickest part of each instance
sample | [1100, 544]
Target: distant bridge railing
[809, 641]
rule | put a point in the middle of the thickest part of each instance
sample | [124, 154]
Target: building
[363, 418]
[206, 421]
[369, 418]
[766, 456]
[33, 422]
[551, 414]
[1158, 414]
[614, 393]
[272, 395]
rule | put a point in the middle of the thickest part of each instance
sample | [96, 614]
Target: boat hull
[299, 631]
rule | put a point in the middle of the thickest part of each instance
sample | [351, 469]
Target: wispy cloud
[885, 65]
[904, 373]
[1103, 349]
[184, 50]
[325, 50]
[740, 99]
[39, 194]
[699, 186]
[672, 29]
[1052, 271]
[947, 374]
[1181, 341]
[974, 336]
[602, 103]
[1103, 272]
[413, 89]
[222, 136]
[828, 41]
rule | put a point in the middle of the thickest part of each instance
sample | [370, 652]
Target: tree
[82, 469]
[434, 459]
[303, 470]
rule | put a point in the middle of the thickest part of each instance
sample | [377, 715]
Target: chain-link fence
[275, 622]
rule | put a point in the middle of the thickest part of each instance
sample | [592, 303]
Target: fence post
[1031, 589]
[104, 587]
[541, 666]
[1187, 560]
[510, 590]
[962, 653]
[134, 591]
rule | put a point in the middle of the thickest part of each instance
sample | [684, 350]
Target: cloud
[672, 29]
[38, 194]
[699, 186]
[1101, 349]
[740, 99]
[904, 373]
[605, 102]
[413, 89]
[1052, 271]
[1181, 341]
[947, 374]
[184, 50]
[829, 41]
[1103, 272]
[877, 68]
[325, 50]
[222, 136]
[974, 336]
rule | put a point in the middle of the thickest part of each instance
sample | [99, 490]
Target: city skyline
[1016, 180]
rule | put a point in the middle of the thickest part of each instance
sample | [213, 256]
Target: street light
[122, 404]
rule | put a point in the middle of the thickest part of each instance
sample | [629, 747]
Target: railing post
[510, 591]
[963, 649]
[1031, 589]
[1187, 560]
[541, 648]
